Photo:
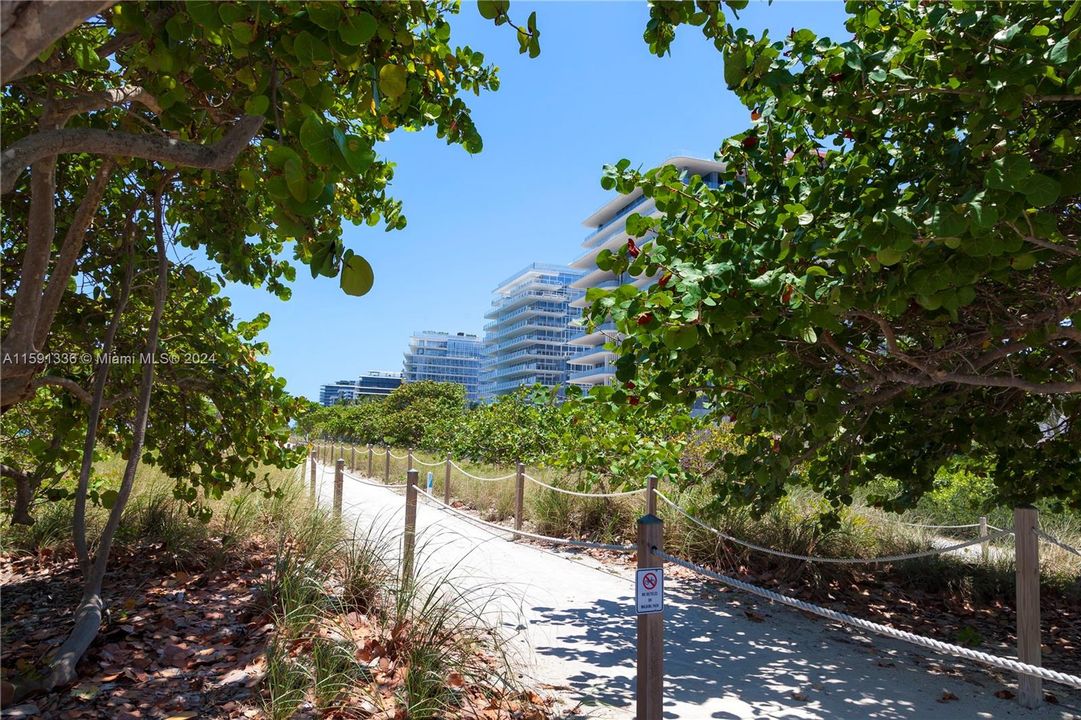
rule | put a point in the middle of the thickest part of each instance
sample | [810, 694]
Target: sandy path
[572, 628]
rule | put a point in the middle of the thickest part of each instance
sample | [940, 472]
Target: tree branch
[64, 110]
[61, 382]
[69, 252]
[29, 27]
[219, 156]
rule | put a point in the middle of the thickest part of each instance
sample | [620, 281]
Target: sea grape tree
[890, 273]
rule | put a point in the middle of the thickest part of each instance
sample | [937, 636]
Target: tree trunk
[89, 613]
[101, 377]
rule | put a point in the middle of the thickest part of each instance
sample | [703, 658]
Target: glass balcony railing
[587, 352]
[605, 369]
[591, 240]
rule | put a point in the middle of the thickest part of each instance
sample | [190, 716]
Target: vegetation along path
[572, 627]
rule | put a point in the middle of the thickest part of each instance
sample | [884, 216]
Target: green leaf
[108, 499]
[946, 222]
[358, 154]
[257, 105]
[310, 50]
[808, 335]
[983, 213]
[358, 28]
[357, 276]
[1060, 52]
[243, 33]
[1023, 261]
[683, 337]
[392, 80]
[296, 179]
[1041, 190]
[205, 13]
[888, 256]
[604, 259]
[491, 9]
[316, 140]
[326, 15]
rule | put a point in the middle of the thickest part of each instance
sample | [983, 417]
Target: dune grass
[335, 593]
[793, 526]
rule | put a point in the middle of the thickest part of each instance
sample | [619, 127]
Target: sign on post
[649, 591]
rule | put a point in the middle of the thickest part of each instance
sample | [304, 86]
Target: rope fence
[468, 474]
[418, 461]
[543, 538]
[838, 561]
[929, 643]
[553, 488]
[650, 556]
[938, 527]
[1055, 541]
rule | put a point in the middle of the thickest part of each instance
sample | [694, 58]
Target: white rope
[929, 643]
[484, 479]
[324, 469]
[583, 494]
[397, 457]
[938, 527]
[376, 484]
[839, 561]
[1055, 541]
[545, 538]
[421, 462]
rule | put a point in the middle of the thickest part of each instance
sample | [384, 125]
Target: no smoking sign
[649, 591]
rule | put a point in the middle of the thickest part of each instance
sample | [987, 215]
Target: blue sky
[594, 95]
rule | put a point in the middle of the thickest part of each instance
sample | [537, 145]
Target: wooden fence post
[409, 459]
[446, 481]
[985, 550]
[312, 492]
[369, 459]
[386, 468]
[649, 693]
[339, 477]
[651, 495]
[1027, 559]
[410, 538]
[352, 457]
[519, 497]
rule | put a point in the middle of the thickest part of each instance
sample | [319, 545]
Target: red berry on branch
[665, 279]
[633, 400]
[847, 134]
[629, 385]
[787, 294]
[632, 249]
[837, 77]
[750, 142]
[645, 318]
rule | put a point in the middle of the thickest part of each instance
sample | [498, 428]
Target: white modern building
[444, 357]
[376, 383]
[591, 363]
[525, 342]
